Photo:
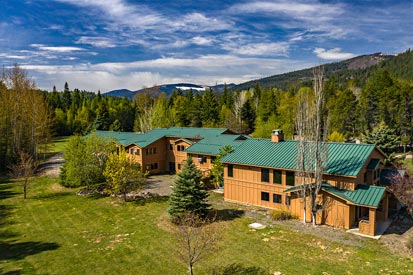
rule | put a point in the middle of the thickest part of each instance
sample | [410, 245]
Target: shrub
[280, 215]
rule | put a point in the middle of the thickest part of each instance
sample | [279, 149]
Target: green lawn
[57, 145]
[57, 232]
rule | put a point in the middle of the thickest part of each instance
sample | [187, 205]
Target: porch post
[372, 221]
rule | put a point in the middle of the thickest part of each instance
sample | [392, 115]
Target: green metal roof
[123, 138]
[211, 145]
[345, 159]
[365, 195]
[143, 140]
[373, 164]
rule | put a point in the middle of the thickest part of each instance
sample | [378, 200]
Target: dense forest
[357, 103]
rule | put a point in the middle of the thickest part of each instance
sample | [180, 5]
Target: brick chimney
[277, 135]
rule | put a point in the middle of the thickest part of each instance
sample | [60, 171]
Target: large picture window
[265, 175]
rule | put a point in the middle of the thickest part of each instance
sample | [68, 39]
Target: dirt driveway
[159, 184]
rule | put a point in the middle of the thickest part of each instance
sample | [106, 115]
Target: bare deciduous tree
[195, 238]
[312, 150]
[24, 169]
[402, 188]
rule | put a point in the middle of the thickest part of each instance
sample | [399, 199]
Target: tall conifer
[188, 193]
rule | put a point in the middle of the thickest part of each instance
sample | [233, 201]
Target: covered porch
[369, 208]
[363, 210]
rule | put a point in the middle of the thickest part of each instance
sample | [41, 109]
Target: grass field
[57, 232]
[56, 146]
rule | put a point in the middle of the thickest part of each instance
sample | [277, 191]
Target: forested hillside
[357, 101]
[358, 69]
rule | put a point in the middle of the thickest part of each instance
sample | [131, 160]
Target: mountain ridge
[358, 69]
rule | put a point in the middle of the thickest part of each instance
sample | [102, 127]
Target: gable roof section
[211, 144]
[345, 159]
[123, 138]
[364, 195]
[143, 140]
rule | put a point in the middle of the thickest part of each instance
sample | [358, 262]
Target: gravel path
[51, 167]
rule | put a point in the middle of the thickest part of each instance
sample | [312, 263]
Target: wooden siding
[245, 186]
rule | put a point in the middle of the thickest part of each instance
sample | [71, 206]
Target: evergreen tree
[383, 137]
[188, 193]
[248, 117]
[209, 111]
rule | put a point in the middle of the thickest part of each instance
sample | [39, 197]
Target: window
[147, 151]
[179, 166]
[265, 196]
[137, 152]
[277, 176]
[230, 170]
[171, 146]
[290, 178]
[154, 166]
[287, 200]
[265, 175]
[181, 148]
[201, 159]
[154, 150]
[276, 198]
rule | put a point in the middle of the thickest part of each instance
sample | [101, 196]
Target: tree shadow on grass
[5, 192]
[5, 211]
[13, 272]
[18, 251]
[227, 214]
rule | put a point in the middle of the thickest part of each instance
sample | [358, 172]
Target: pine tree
[188, 193]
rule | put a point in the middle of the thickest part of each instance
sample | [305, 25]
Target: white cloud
[263, 49]
[59, 49]
[202, 41]
[204, 70]
[333, 54]
[99, 42]
[11, 56]
[304, 10]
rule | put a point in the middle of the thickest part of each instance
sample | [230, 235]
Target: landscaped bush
[280, 215]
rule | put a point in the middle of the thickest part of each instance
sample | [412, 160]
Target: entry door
[358, 215]
[172, 167]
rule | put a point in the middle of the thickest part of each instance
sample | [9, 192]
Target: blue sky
[112, 44]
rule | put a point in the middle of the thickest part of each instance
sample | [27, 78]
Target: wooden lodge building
[262, 172]
[165, 150]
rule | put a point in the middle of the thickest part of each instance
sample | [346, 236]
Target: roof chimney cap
[277, 135]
